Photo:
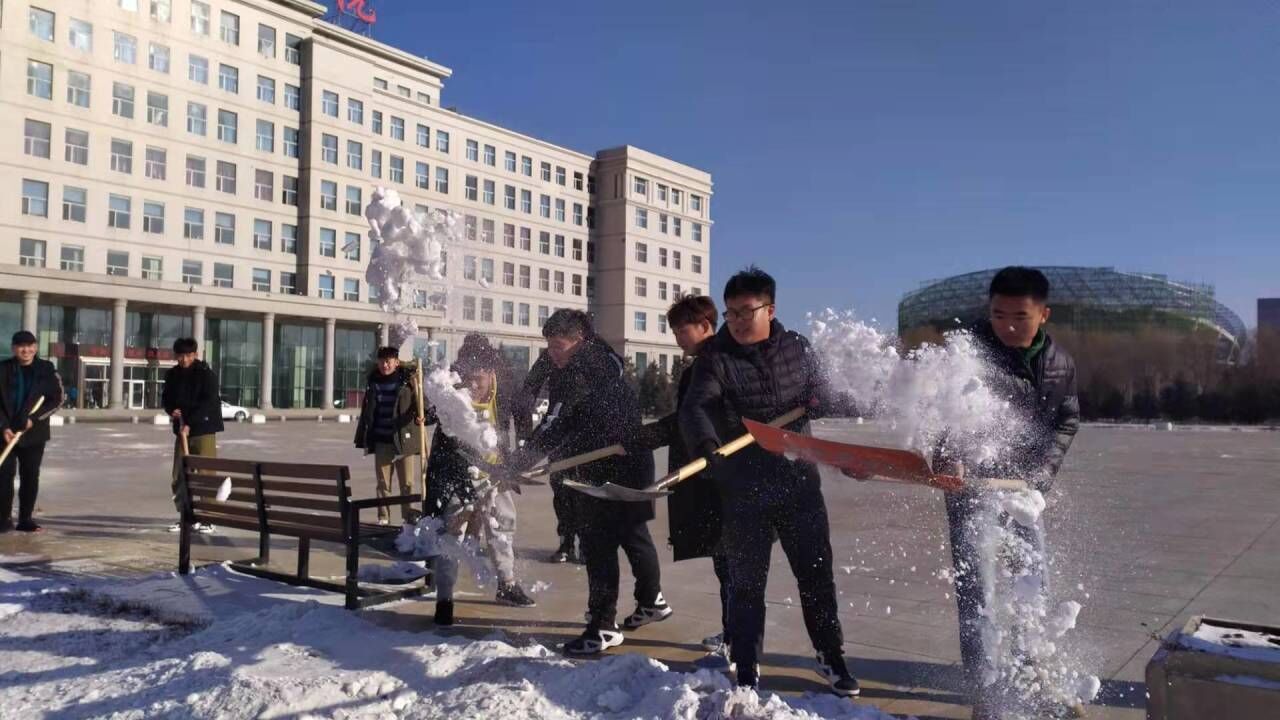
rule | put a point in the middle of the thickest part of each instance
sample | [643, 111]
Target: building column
[384, 334]
[118, 329]
[268, 359]
[197, 329]
[31, 311]
[326, 397]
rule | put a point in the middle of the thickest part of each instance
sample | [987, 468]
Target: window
[662, 290]
[675, 291]
[229, 28]
[486, 270]
[158, 109]
[328, 195]
[290, 142]
[577, 181]
[486, 231]
[288, 241]
[195, 171]
[397, 128]
[74, 203]
[122, 100]
[125, 48]
[292, 49]
[473, 151]
[40, 79]
[469, 187]
[576, 286]
[403, 91]
[198, 69]
[224, 275]
[226, 177]
[424, 136]
[199, 17]
[192, 272]
[524, 314]
[662, 193]
[157, 163]
[544, 312]
[662, 223]
[41, 24]
[642, 252]
[263, 185]
[354, 204]
[288, 283]
[662, 329]
[153, 218]
[224, 228]
[119, 212]
[641, 324]
[261, 234]
[158, 58]
[375, 123]
[355, 111]
[577, 214]
[122, 156]
[544, 243]
[524, 276]
[675, 197]
[265, 138]
[351, 246]
[31, 253]
[355, 155]
[469, 228]
[442, 180]
[544, 280]
[662, 257]
[289, 190]
[118, 263]
[329, 148]
[526, 239]
[77, 147]
[642, 218]
[675, 259]
[152, 268]
[697, 232]
[641, 186]
[292, 97]
[161, 10]
[228, 126]
[509, 274]
[375, 163]
[559, 284]
[546, 171]
[490, 155]
[469, 267]
[193, 224]
[266, 41]
[577, 249]
[261, 280]
[695, 203]
[81, 35]
[486, 310]
[36, 138]
[526, 202]
[78, 88]
[697, 264]
[442, 141]
[509, 161]
[642, 287]
[544, 206]
[397, 169]
[72, 258]
[351, 290]
[329, 103]
[675, 226]
[559, 246]
[266, 90]
[328, 242]
[228, 78]
[468, 308]
[197, 119]
[559, 210]
[509, 235]
[508, 312]
[526, 166]
[488, 192]
[560, 176]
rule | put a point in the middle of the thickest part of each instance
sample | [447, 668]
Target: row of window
[667, 224]
[640, 323]
[666, 258]
[667, 195]
[642, 290]
[512, 313]
[482, 270]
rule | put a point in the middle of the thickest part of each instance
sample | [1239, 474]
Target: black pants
[564, 502]
[600, 544]
[795, 511]
[962, 513]
[24, 461]
[720, 563]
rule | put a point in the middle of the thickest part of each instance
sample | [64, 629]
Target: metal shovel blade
[613, 491]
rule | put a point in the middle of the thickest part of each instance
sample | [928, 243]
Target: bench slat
[292, 530]
[236, 496]
[295, 501]
[329, 522]
[228, 520]
[221, 465]
[328, 489]
[304, 471]
[214, 506]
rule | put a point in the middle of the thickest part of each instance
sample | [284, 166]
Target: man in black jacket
[563, 500]
[193, 403]
[693, 508]
[592, 406]
[390, 428]
[1038, 378]
[24, 378]
[754, 368]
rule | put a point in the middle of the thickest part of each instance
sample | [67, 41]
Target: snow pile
[430, 538]
[73, 656]
[458, 418]
[407, 252]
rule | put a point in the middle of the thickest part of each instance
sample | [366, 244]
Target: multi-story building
[192, 167]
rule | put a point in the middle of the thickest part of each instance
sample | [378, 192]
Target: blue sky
[860, 148]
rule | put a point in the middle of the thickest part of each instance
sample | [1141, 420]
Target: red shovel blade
[856, 460]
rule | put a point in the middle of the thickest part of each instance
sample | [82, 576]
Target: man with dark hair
[693, 509]
[754, 368]
[194, 406]
[25, 378]
[592, 406]
[390, 428]
[1038, 378]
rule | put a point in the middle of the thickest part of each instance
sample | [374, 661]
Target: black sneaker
[832, 667]
[515, 596]
[594, 642]
[444, 613]
[657, 612]
[28, 526]
[6, 525]
[562, 553]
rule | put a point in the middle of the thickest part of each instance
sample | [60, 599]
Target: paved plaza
[1149, 528]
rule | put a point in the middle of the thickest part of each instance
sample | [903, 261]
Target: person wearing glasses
[755, 368]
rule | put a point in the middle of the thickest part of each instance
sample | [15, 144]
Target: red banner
[358, 9]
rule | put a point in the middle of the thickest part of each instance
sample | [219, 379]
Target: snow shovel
[533, 477]
[18, 435]
[613, 491]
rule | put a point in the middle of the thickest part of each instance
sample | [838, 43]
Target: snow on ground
[218, 644]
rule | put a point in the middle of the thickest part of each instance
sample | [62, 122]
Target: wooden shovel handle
[18, 435]
[575, 461]
[725, 450]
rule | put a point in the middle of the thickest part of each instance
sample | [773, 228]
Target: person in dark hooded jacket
[194, 405]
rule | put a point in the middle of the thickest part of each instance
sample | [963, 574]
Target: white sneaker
[176, 527]
[712, 642]
[657, 612]
[205, 528]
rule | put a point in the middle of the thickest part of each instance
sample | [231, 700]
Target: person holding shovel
[30, 392]
[193, 404]
[756, 369]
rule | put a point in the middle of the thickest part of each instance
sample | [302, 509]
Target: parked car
[233, 412]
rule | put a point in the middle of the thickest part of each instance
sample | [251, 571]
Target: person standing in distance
[194, 406]
[23, 379]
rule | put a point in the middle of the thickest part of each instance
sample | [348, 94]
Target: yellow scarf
[488, 409]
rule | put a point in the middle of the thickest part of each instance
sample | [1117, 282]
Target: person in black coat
[592, 406]
[25, 378]
[194, 405]
[693, 508]
[1038, 379]
[754, 368]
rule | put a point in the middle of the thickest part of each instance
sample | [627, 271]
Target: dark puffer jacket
[194, 391]
[45, 383]
[1044, 394]
[592, 406]
[759, 382]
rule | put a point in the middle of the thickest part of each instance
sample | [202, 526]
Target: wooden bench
[307, 502]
